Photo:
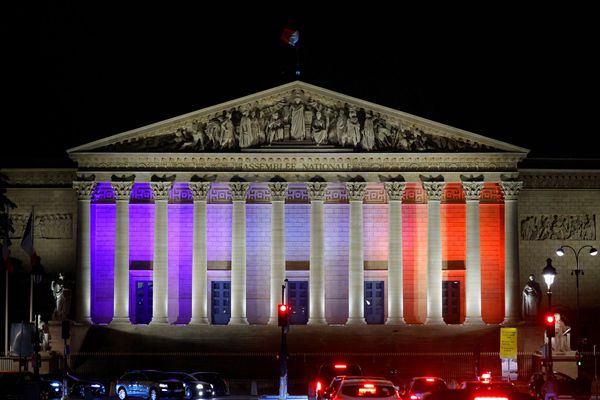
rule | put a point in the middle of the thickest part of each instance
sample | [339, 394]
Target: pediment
[297, 117]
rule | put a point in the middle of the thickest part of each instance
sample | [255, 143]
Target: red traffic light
[550, 319]
[283, 308]
[283, 313]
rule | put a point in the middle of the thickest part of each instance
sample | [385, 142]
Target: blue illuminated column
[316, 194]
[395, 190]
[238, 253]
[122, 192]
[435, 191]
[278, 194]
[472, 192]
[356, 280]
[160, 268]
[83, 302]
[199, 260]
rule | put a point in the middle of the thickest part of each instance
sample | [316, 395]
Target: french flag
[291, 37]
[6, 255]
[27, 241]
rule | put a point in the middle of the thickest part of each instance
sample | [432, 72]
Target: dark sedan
[148, 384]
[79, 387]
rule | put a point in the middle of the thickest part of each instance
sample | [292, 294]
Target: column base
[120, 321]
[395, 321]
[273, 321]
[356, 321]
[317, 321]
[510, 321]
[473, 321]
[159, 321]
[435, 321]
[199, 321]
[238, 321]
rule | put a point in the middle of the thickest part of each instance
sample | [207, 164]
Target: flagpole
[31, 275]
[6, 312]
[297, 61]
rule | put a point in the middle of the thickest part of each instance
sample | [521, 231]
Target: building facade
[365, 214]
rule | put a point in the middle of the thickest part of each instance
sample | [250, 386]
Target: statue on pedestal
[561, 342]
[62, 298]
[532, 298]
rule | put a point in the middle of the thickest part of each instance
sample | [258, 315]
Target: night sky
[81, 72]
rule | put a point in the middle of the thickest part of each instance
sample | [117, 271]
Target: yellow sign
[508, 342]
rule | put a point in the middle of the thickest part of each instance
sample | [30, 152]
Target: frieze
[259, 195]
[180, 194]
[141, 194]
[491, 193]
[453, 194]
[298, 194]
[375, 194]
[414, 194]
[219, 195]
[45, 226]
[558, 227]
[40, 177]
[298, 116]
[548, 180]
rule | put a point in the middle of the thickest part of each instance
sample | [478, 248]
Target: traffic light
[283, 313]
[549, 321]
[579, 358]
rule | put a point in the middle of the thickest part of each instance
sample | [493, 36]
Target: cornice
[555, 179]
[35, 177]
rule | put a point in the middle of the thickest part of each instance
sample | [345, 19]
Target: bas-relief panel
[297, 117]
[558, 227]
[46, 226]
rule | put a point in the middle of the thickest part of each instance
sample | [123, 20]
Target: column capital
[84, 189]
[356, 190]
[122, 190]
[472, 190]
[511, 189]
[316, 190]
[435, 190]
[161, 190]
[395, 190]
[199, 190]
[278, 190]
[238, 190]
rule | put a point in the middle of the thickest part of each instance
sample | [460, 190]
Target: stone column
[435, 191]
[278, 195]
[121, 295]
[238, 253]
[356, 278]
[199, 271]
[472, 191]
[83, 290]
[512, 291]
[316, 308]
[395, 190]
[160, 270]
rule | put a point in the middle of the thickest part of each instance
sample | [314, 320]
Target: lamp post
[37, 274]
[549, 272]
[577, 271]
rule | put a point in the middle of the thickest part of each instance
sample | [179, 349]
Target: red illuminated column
[83, 302]
[512, 292]
[472, 191]
[238, 253]
[434, 190]
[395, 190]
[316, 194]
[121, 296]
[199, 296]
[160, 269]
[278, 194]
[356, 279]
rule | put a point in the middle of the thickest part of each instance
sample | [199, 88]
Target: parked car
[325, 374]
[78, 387]
[565, 386]
[419, 386]
[149, 384]
[194, 388]
[336, 383]
[493, 389]
[373, 388]
[219, 383]
[15, 385]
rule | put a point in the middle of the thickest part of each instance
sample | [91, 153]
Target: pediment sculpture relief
[296, 119]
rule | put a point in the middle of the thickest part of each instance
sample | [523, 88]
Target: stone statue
[532, 298]
[61, 297]
[561, 340]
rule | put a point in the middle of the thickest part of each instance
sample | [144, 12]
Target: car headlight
[163, 385]
[199, 386]
[55, 384]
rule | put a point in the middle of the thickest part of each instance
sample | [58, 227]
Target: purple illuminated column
[356, 278]
[512, 291]
[316, 194]
[395, 190]
[472, 191]
[278, 195]
[160, 270]
[199, 295]
[83, 301]
[238, 253]
[122, 192]
[435, 191]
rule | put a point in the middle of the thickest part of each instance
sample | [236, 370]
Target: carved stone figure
[532, 298]
[353, 128]
[245, 138]
[319, 129]
[561, 340]
[227, 132]
[61, 297]
[368, 134]
[298, 131]
[275, 129]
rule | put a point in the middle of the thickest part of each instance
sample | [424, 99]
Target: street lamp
[37, 274]
[549, 272]
[577, 271]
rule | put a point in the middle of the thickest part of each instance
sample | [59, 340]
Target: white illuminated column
[122, 192]
[512, 292]
[356, 280]
[238, 253]
[472, 192]
[395, 190]
[435, 191]
[160, 270]
[83, 302]
[316, 194]
[278, 194]
[199, 260]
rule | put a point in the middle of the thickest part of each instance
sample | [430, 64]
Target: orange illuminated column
[492, 253]
[434, 191]
[512, 292]
[473, 259]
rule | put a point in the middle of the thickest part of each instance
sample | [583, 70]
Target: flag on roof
[27, 241]
[6, 254]
[291, 37]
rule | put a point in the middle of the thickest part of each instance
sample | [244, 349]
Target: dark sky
[81, 72]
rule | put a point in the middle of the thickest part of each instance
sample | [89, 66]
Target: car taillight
[429, 380]
[318, 386]
[413, 397]
[490, 398]
[340, 366]
[368, 388]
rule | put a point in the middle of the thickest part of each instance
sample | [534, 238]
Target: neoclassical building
[366, 214]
